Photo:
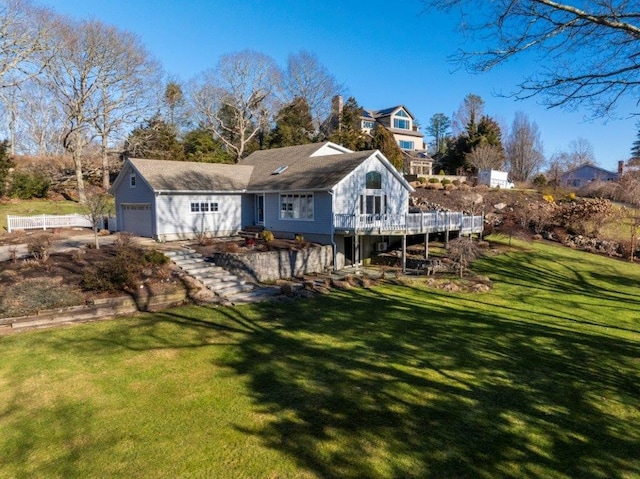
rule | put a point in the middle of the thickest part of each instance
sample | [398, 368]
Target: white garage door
[136, 219]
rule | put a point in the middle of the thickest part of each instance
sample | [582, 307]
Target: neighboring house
[401, 123]
[323, 191]
[585, 174]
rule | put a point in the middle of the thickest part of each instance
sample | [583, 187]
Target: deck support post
[404, 254]
[426, 245]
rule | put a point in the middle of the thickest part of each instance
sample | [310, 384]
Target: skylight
[279, 169]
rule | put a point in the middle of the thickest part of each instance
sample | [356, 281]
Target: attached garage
[136, 219]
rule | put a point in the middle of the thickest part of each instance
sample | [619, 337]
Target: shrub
[441, 173]
[456, 182]
[268, 236]
[445, 181]
[434, 180]
[540, 181]
[119, 273]
[422, 180]
[230, 246]
[26, 185]
[155, 257]
[40, 247]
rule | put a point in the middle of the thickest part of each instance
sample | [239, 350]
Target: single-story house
[584, 174]
[322, 191]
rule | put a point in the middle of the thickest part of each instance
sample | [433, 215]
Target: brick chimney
[336, 111]
[620, 168]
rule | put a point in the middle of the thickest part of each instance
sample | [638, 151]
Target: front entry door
[259, 209]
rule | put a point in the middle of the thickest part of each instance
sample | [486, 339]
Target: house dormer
[401, 120]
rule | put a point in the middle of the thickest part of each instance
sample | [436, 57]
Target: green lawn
[35, 207]
[538, 378]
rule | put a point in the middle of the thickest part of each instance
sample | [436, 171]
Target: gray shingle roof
[303, 172]
[165, 175]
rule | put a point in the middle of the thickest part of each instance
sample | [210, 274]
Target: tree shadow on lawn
[424, 390]
[555, 275]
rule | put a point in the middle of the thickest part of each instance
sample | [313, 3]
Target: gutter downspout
[333, 232]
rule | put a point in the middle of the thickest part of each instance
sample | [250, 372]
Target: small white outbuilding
[494, 178]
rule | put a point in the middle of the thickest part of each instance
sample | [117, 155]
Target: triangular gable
[127, 169]
[329, 148]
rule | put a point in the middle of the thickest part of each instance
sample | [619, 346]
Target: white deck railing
[43, 222]
[410, 223]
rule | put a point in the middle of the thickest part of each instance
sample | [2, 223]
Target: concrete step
[188, 262]
[201, 267]
[255, 296]
[217, 277]
[180, 253]
[225, 290]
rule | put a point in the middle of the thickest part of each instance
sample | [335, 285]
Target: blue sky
[385, 53]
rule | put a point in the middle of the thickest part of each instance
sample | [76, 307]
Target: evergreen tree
[349, 134]
[6, 163]
[384, 141]
[438, 128]
[294, 125]
[635, 148]
[156, 139]
[199, 145]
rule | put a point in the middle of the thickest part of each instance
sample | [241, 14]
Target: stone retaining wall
[101, 308]
[270, 266]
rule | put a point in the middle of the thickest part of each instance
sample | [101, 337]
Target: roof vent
[279, 169]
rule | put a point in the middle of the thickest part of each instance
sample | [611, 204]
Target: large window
[401, 120]
[401, 124]
[374, 180]
[367, 124]
[405, 145]
[373, 204]
[296, 207]
[204, 207]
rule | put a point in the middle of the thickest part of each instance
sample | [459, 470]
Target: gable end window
[401, 124]
[405, 145]
[374, 180]
[132, 180]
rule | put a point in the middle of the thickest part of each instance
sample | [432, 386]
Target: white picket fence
[44, 222]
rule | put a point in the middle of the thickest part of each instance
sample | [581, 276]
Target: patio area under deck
[408, 224]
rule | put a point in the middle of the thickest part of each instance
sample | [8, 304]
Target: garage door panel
[137, 219]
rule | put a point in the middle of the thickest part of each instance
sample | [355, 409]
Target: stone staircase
[224, 284]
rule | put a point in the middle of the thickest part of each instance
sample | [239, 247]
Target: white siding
[349, 190]
[176, 221]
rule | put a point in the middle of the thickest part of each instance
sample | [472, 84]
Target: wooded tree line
[84, 88]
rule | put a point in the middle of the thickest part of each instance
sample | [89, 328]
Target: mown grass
[539, 377]
[35, 207]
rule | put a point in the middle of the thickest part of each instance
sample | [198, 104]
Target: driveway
[64, 244]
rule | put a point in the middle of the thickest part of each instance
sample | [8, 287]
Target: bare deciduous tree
[124, 83]
[602, 34]
[485, 156]
[523, 148]
[24, 48]
[466, 119]
[305, 77]
[37, 122]
[97, 206]
[463, 251]
[236, 99]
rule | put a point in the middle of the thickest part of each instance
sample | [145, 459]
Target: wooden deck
[410, 223]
